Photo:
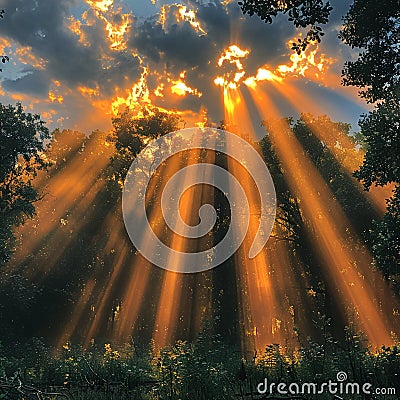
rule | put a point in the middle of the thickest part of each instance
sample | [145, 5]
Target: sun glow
[309, 64]
[138, 94]
[103, 5]
[180, 88]
[233, 55]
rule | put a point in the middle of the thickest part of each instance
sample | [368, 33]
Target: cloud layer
[76, 61]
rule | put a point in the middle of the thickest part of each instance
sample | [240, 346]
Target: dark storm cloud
[41, 24]
[33, 83]
[180, 47]
[267, 42]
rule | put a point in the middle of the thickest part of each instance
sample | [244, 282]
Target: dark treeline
[72, 266]
[73, 262]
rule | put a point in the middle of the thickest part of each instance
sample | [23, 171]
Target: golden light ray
[237, 115]
[132, 299]
[167, 318]
[104, 295]
[257, 298]
[73, 146]
[64, 232]
[86, 297]
[79, 308]
[350, 269]
[166, 321]
[65, 188]
[139, 279]
[294, 304]
[352, 160]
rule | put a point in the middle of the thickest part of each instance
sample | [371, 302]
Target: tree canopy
[374, 29]
[132, 131]
[22, 141]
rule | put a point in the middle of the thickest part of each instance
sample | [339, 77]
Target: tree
[22, 138]
[386, 240]
[374, 28]
[381, 131]
[132, 131]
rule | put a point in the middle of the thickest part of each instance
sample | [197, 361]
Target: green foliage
[386, 240]
[374, 27]
[131, 133]
[22, 137]
[205, 369]
[17, 298]
[381, 131]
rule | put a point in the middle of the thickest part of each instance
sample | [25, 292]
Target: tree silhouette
[22, 137]
[374, 28]
[131, 133]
